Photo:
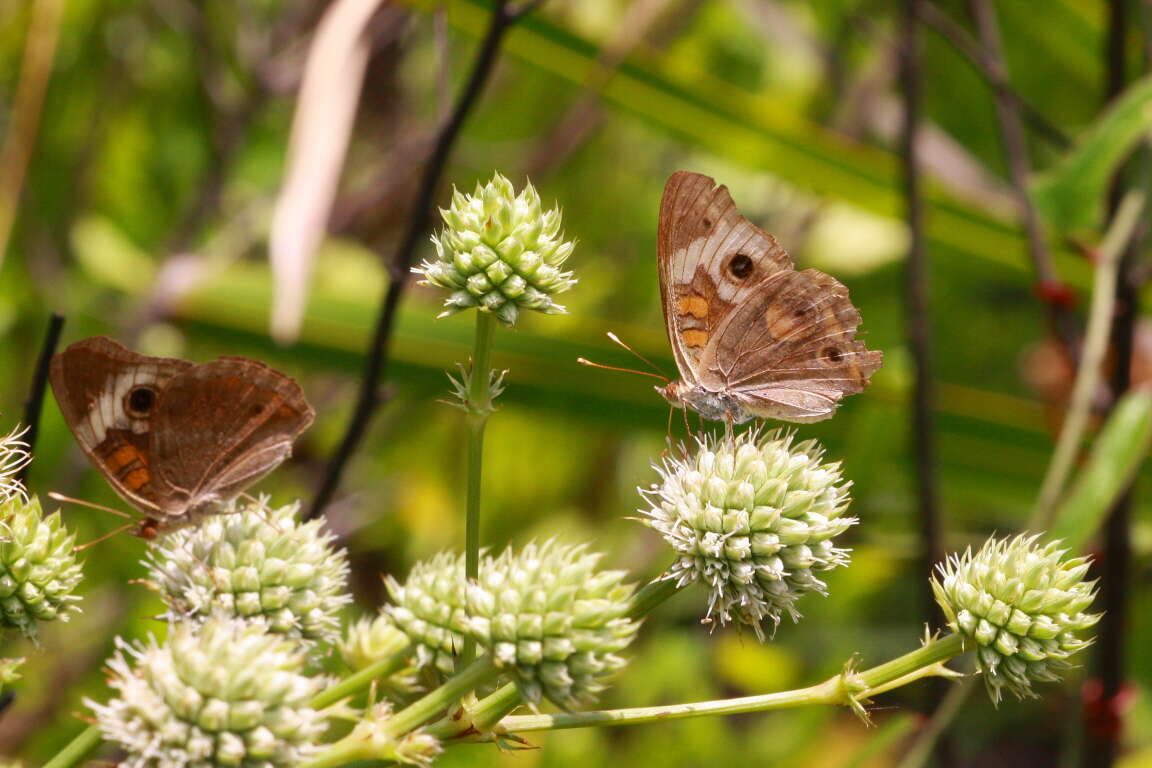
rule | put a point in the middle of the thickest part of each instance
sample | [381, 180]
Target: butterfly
[752, 336]
[175, 439]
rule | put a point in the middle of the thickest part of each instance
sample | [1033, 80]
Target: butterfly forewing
[711, 259]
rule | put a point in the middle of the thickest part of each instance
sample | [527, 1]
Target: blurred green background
[145, 215]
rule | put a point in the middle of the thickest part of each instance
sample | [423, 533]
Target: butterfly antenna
[652, 365]
[82, 503]
[105, 537]
[590, 364]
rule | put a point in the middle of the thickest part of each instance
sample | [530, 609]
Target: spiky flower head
[1022, 605]
[14, 457]
[753, 518]
[221, 693]
[371, 639]
[555, 621]
[38, 567]
[499, 252]
[255, 562]
[429, 608]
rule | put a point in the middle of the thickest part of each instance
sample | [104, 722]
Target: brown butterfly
[752, 336]
[176, 439]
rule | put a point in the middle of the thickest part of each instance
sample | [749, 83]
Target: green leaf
[1071, 195]
[1119, 450]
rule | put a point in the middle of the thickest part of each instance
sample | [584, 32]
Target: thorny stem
[1092, 357]
[399, 269]
[479, 408]
[847, 689]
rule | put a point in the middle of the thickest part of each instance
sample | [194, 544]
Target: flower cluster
[14, 457]
[753, 518]
[38, 567]
[546, 614]
[1021, 605]
[255, 562]
[220, 693]
[429, 608]
[499, 252]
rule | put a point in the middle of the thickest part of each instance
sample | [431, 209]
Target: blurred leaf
[325, 114]
[1116, 456]
[109, 257]
[1071, 195]
[751, 129]
[748, 666]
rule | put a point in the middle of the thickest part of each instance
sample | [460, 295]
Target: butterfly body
[752, 336]
[176, 439]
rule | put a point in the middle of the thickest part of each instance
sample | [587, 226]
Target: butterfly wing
[790, 351]
[93, 381]
[711, 261]
[223, 425]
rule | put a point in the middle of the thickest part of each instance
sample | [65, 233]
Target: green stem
[1091, 359]
[359, 681]
[651, 595]
[85, 742]
[420, 711]
[479, 408]
[842, 689]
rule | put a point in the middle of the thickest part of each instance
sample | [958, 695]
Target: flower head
[499, 252]
[752, 517]
[14, 457]
[429, 608]
[1022, 605]
[38, 567]
[257, 562]
[221, 693]
[549, 616]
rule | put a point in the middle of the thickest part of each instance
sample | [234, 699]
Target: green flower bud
[38, 568]
[221, 693]
[369, 640]
[555, 622]
[753, 518]
[429, 608]
[1021, 605]
[500, 253]
[255, 562]
[9, 671]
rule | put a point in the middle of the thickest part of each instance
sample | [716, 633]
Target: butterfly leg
[728, 426]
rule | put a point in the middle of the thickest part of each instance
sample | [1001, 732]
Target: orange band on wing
[136, 479]
[694, 338]
[694, 305]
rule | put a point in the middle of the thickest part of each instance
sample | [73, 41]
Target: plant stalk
[846, 689]
[77, 749]
[479, 408]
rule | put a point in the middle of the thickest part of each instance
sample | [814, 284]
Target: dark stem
[1060, 315]
[34, 404]
[973, 52]
[917, 303]
[919, 326]
[1103, 723]
[400, 268]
